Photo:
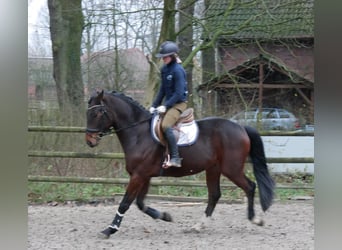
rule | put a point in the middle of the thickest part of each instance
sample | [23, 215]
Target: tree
[66, 25]
[185, 39]
[167, 32]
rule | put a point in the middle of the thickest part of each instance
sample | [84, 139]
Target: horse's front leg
[134, 185]
[154, 213]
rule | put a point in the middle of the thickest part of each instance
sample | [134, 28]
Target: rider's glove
[152, 110]
[161, 109]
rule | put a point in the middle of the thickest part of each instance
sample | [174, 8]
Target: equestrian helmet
[167, 48]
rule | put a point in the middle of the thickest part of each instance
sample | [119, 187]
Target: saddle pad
[188, 132]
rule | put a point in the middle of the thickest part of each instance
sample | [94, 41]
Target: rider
[173, 89]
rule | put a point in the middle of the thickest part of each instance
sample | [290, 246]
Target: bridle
[111, 130]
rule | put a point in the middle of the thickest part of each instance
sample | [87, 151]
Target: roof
[293, 73]
[291, 58]
[262, 18]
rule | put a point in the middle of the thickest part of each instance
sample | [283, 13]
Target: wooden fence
[157, 182]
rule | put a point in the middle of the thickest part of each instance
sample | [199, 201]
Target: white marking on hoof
[197, 227]
[114, 227]
[257, 221]
[203, 223]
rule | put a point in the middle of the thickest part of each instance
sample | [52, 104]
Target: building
[263, 57]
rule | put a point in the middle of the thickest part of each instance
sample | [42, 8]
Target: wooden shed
[264, 57]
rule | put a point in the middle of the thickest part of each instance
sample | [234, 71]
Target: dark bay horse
[222, 147]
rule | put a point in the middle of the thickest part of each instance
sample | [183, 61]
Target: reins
[112, 130]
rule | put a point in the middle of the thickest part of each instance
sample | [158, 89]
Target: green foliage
[287, 194]
[183, 191]
[47, 192]
[294, 179]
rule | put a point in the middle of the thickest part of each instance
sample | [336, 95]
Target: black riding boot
[170, 137]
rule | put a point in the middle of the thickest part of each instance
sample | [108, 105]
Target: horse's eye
[93, 115]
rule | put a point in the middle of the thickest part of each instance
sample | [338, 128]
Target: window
[250, 115]
[272, 114]
[283, 114]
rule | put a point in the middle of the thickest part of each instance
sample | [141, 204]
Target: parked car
[271, 119]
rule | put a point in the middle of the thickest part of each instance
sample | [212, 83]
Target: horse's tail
[265, 182]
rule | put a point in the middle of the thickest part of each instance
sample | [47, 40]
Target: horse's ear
[100, 95]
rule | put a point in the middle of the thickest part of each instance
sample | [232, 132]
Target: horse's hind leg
[248, 187]
[155, 214]
[214, 194]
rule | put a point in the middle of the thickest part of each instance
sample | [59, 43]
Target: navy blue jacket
[173, 85]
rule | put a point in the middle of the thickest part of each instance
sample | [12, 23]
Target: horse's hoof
[107, 232]
[258, 221]
[166, 217]
[197, 228]
[102, 235]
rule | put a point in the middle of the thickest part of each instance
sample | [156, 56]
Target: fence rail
[82, 130]
[121, 156]
[154, 182]
[75, 155]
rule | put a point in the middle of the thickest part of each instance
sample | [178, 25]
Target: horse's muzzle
[92, 139]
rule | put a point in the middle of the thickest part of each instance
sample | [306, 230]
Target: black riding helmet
[167, 48]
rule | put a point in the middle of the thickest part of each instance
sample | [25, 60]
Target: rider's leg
[175, 161]
[170, 119]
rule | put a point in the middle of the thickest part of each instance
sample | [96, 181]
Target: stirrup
[174, 162]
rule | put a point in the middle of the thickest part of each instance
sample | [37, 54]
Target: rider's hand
[161, 109]
[152, 110]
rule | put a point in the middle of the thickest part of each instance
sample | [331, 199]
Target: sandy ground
[288, 225]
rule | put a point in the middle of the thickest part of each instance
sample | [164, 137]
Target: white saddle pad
[188, 132]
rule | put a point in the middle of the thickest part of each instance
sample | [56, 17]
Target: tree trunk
[185, 40]
[167, 33]
[208, 71]
[66, 24]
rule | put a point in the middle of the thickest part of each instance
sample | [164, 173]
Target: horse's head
[98, 122]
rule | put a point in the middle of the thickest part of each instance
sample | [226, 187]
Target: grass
[44, 192]
[286, 194]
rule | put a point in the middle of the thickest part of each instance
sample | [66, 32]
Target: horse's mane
[129, 100]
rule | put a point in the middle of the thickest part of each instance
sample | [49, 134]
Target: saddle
[185, 129]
